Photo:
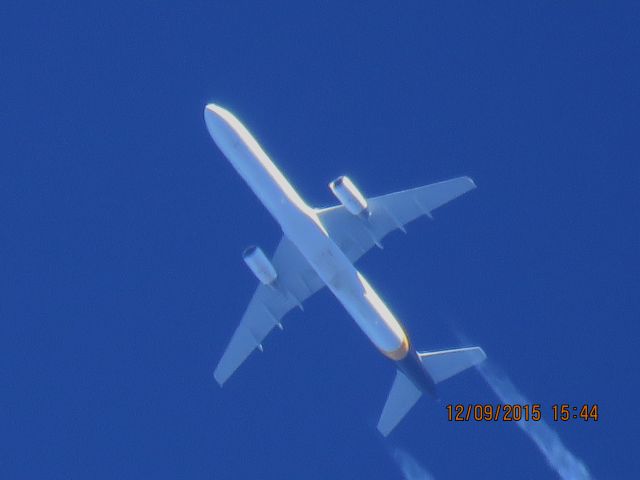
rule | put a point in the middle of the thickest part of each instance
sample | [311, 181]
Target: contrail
[558, 456]
[411, 469]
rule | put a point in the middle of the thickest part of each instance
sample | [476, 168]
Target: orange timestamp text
[507, 412]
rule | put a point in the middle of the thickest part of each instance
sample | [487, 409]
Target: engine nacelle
[350, 197]
[260, 265]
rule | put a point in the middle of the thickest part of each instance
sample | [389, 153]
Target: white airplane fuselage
[301, 225]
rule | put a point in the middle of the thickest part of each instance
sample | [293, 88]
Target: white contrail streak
[411, 469]
[565, 463]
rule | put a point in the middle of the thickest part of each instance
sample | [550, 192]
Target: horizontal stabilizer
[403, 395]
[447, 363]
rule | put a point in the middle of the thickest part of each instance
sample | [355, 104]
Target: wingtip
[383, 432]
[219, 378]
[482, 353]
[471, 182]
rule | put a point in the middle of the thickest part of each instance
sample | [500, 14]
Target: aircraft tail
[447, 363]
[439, 365]
[403, 395]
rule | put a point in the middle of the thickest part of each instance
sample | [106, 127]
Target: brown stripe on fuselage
[400, 352]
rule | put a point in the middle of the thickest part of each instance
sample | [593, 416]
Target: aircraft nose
[213, 109]
[217, 120]
[226, 130]
[213, 114]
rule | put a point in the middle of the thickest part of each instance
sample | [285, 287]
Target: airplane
[318, 249]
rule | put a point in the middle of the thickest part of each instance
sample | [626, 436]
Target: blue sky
[123, 228]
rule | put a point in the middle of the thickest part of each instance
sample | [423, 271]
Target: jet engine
[260, 265]
[350, 197]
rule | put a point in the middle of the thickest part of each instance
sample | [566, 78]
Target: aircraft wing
[296, 281]
[355, 235]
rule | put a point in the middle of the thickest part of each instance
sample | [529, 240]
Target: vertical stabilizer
[403, 395]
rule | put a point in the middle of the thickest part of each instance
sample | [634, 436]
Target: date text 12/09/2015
[487, 412]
